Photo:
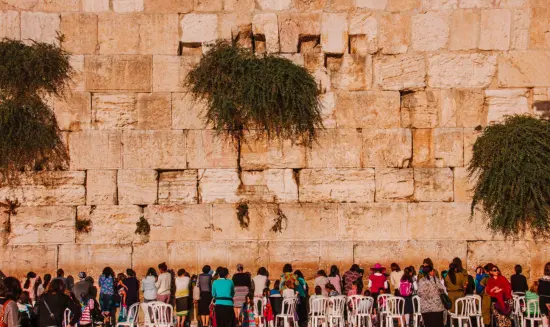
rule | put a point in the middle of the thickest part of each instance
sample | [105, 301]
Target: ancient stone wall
[406, 85]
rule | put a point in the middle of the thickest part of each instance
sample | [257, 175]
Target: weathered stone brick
[538, 29]
[387, 147]
[274, 4]
[215, 253]
[169, 72]
[373, 221]
[199, 28]
[95, 150]
[101, 187]
[77, 64]
[237, 27]
[122, 6]
[462, 108]
[137, 186]
[395, 31]
[328, 103]
[154, 150]
[270, 185]
[309, 5]
[337, 185]
[394, 185]
[495, 29]
[350, 72]
[316, 217]
[338, 253]
[403, 72]
[154, 111]
[169, 222]
[168, 6]
[292, 27]
[266, 25]
[147, 254]
[303, 254]
[461, 70]
[481, 252]
[439, 4]
[524, 69]
[506, 102]
[10, 25]
[257, 152]
[364, 27]
[371, 109]
[177, 187]
[336, 148]
[372, 4]
[239, 6]
[92, 258]
[95, 5]
[423, 150]
[449, 147]
[207, 149]
[433, 184]
[73, 111]
[470, 137]
[420, 109]
[119, 33]
[187, 113]
[21, 259]
[57, 5]
[207, 5]
[132, 73]
[463, 185]
[158, 34]
[39, 26]
[430, 31]
[110, 224]
[80, 31]
[39, 225]
[465, 25]
[114, 111]
[520, 34]
[218, 185]
[334, 33]
[189, 261]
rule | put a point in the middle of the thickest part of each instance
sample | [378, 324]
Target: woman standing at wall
[242, 283]
[322, 281]
[259, 284]
[395, 278]
[499, 289]
[205, 287]
[429, 291]
[454, 282]
[377, 280]
[107, 295]
[223, 291]
[335, 279]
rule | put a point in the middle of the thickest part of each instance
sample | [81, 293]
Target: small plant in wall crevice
[243, 215]
[280, 222]
[143, 227]
[10, 207]
[83, 225]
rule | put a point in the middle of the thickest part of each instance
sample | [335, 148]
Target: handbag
[446, 300]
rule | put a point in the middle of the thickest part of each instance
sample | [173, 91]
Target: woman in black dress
[544, 290]
[132, 288]
[205, 286]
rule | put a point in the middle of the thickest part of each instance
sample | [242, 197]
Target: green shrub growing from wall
[29, 134]
[511, 162]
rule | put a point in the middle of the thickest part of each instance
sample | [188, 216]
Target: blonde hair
[534, 287]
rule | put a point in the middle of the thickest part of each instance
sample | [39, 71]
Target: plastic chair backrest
[289, 307]
[462, 306]
[133, 313]
[337, 305]
[474, 305]
[416, 304]
[532, 310]
[164, 314]
[381, 301]
[148, 312]
[519, 305]
[365, 305]
[319, 306]
[395, 305]
[67, 317]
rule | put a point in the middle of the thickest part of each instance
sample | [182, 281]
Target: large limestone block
[350, 72]
[226, 224]
[101, 187]
[293, 27]
[334, 33]
[403, 5]
[119, 33]
[123, 6]
[95, 5]
[470, 137]
[158, 34]
[10, 25]
[439, 4]
[40, 26]
[74, 258]
[461, 70]
[199, 28]
[433, 184]
[48, 188]
[214, 254]
[41, 259]
[168, 6]
[80, 31]
[110, 224]
[364, 26]
[154, 111]
[37, 225]
[395, 33]
[423, 152]
[495, 29]
[321, 221]
[73, 111]
[465, 25]
[510, 253]
[335, 148]
[251, 254]
[259, 153]
[302, 255]
[506, 102]
[154, 150]
[403, 72]
[387, 147]
[177, 187]
[179, 222]
[539, 257]
[187, 113]
[449, 147]
[420, 109]
[266, 24]
[308, 5]
[95, 150]
[339, 253]
[207, 149]
[463, 185]
[372, 4]
[238, 27]
[114, 111]
[169, 72]
[462, 108]
[137, 186]
[218, 185]
[240, 6]
[375, 221]
[207, 5]
[77, 63]
[189, 260]
[149, 254]
[270, 185]
[328, 106]
[524, 69]
[394, 185]
[520, 34]
[430, 30]
[371, 109]
[121, 72]
[337, 185]
[538, 29]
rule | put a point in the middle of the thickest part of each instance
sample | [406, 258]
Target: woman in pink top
[377, 280]
[334, 278]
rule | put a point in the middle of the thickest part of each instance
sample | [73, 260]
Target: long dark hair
[30, 275]
[56, 286]
[458, 264]
[262, 271]
[47, 280]
[108, 272]
[151, 272]
[547, 269]
[299, 274]
[395, 267]
[10, 288]
[407, 275]
[287, 268]
[452, 273]
[334, 271]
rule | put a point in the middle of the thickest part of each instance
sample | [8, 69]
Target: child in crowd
[247, 317]
[275, 291]
[318, 292]
[331, 290]
[25, 310]
[353, 290]
[289, 291]
[88, 304]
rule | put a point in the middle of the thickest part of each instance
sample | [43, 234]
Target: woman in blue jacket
[223, 291]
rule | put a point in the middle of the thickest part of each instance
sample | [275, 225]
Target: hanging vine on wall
[511, 163]
[10, 207]
[29, 134]
[243, 91]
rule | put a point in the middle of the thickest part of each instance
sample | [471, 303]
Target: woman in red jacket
[500, 289]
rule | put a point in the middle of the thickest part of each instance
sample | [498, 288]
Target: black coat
[57, 303]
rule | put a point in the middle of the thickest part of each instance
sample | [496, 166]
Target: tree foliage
[243, 91]
[511, 163]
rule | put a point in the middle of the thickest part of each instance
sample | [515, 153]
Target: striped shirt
[86, 317]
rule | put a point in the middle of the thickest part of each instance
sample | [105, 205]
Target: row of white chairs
[526, 314]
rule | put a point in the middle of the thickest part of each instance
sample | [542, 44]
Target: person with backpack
[87, 317]
[52, 305]
[407, 287]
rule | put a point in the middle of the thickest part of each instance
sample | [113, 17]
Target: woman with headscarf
[429, 291]
[455, 281]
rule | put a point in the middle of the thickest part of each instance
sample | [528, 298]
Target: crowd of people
[240, 299]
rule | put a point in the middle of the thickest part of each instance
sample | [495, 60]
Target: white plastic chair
[519, 306]
[395, 307]
[381, 302]
[132, 318]
[318, 308]
[532, 314]
[287, 312]
[163, 315]
[417, 313]
[148, 313]
[337, 305]
[360, 310]
[67, 317]
[461, 312]
[474, 309]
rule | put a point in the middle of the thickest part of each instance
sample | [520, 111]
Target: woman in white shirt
[182, 296]
[322, 281]
[259, 284]
[148, 286]
[395, 278]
